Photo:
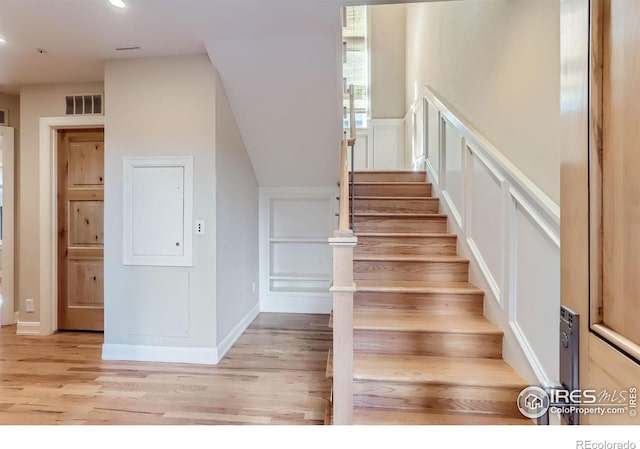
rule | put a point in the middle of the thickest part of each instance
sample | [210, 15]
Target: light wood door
[81, 229]
[601, 194]
[616, 313]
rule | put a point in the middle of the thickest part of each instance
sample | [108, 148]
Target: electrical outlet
[30, 305]
[200, 227]
[253, 287]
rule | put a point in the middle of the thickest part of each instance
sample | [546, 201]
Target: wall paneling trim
[507, 227]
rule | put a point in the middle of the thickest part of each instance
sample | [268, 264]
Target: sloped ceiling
[278, 60]
[285, 94]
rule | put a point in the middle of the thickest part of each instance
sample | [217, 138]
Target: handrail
[343, 220]
[352, 113]
[345, 182]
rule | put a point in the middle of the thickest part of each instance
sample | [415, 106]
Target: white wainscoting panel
[295, 257]
[433, 139]
[159, 303]
[363, 159]
[388, 142]
[298, 217]
[418, 153]
[409, 128]
[453, 146]
[486, 219]
[507, 227]
[381, 145]
[535, 287]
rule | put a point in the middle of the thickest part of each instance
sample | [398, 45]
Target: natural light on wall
[356, 68]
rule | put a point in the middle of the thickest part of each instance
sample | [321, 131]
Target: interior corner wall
[160, 107]
[387, 34]
[236, 227]
[498, 64]
[36, 101]
[11, 102]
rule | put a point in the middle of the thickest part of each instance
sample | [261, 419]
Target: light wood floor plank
[275, 374]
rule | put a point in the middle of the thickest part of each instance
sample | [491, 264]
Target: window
[356, 67]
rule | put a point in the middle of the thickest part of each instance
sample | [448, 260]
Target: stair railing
[343, 242]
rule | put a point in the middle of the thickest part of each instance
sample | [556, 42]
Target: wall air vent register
[91, 104]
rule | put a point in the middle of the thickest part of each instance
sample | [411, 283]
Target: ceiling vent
[4, 117]
[92, 104]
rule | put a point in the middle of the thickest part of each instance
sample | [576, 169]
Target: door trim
[8, 242]
[49, 127]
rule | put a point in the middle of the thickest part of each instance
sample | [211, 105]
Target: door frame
[8, 223]
[49, 127]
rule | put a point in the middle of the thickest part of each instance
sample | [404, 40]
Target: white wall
[387, 34]
[35, 102]
[161, 107]
[497, 64]
[236, 223]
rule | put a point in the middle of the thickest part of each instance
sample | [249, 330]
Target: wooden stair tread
[398, 215]
[384, 416]
[392, 183]
[478, 372]
[394, 198]
[368, 172]
[436, 370]
[423, 322]
[439, 287]
[410, 258]
[405, 234]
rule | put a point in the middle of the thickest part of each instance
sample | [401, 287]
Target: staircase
[423, 351]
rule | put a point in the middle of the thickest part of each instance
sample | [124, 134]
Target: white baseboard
[235, 333]
[296, 304]
[28, 328]
[178, 354]
[173, 354]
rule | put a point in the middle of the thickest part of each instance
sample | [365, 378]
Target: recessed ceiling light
[2, 40]
[118, 3]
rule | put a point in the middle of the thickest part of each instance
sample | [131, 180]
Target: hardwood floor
[274, 374]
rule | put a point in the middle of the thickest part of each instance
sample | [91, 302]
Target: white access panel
[158, 209]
